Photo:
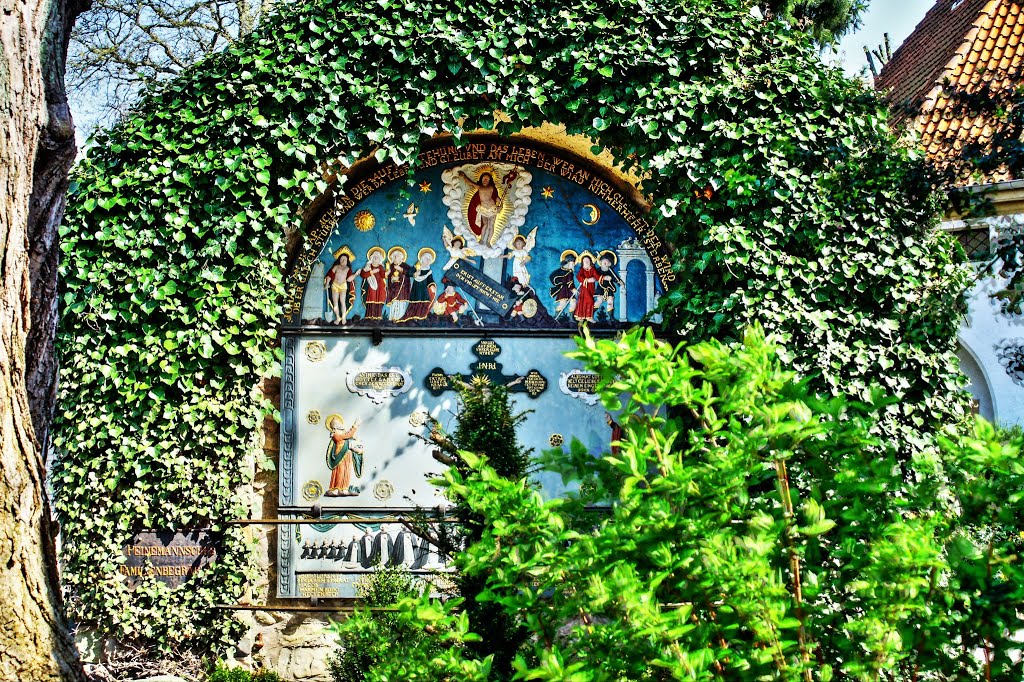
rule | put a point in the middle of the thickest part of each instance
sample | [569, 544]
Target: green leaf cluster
[775, 182]
[368, 637]
[222, 673]
[751, 531]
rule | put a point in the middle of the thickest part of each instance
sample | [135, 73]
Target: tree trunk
[36, 149]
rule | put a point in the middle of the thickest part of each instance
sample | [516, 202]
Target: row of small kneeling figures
[380, 549]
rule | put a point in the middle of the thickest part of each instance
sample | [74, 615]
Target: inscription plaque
[580, 384]
[172, 558]
[378, 383]
[532, 383]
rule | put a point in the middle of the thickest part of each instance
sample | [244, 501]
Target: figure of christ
[563, 284]
[340, 284]
[587, 277]
[343, 459]
[423, 291]
[398, 284]
[483, 207]
[374, 283]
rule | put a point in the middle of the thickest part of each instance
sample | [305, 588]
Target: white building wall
[992, 341]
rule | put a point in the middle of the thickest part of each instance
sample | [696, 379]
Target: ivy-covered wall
[774, 179]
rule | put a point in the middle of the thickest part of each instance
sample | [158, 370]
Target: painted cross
[532, 383]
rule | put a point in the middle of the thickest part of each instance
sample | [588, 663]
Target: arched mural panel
[492, 235]
[485, 266]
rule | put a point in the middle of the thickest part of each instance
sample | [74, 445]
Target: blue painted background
[560, 219]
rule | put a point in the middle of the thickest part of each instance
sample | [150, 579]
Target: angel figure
[519, 252]
[456, 248]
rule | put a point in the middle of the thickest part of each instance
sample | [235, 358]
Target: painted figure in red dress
[375, 291]
[450, 303]
[587, 277]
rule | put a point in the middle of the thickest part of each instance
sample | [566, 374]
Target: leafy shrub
[222, 673]
[755, 532]
[368, 637]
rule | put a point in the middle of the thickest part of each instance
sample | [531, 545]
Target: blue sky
[897, 17]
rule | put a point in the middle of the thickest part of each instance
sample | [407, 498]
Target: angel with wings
[456, 246]
[519, 252]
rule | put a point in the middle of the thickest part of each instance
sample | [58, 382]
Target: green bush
[222, 673]
[754, 531]
[366, 638]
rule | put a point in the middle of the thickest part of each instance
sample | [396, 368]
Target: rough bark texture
[36, 149]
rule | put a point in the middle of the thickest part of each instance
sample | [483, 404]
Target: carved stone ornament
[312, 491]
[1011, 356]
[315, 351]
[580, 384]
[313, 416]
[378, 383]
[383, 490]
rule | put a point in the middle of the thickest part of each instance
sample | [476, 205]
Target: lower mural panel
[357, 416]
[326, 560]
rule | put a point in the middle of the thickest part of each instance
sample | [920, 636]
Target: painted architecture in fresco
[482, 266]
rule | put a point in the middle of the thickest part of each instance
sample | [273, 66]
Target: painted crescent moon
[595, 214]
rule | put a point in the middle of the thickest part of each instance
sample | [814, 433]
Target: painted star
[547, 192]
[424, 187]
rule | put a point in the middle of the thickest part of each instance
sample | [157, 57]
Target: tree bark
[37, 148]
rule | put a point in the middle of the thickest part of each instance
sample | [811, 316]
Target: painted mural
[355, 422]
[538, 243]
[480, 270]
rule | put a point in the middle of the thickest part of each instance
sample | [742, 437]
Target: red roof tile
[920, 61]
[976, 43]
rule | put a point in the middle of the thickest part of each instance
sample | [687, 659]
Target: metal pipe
[284, 522]
[301, 609]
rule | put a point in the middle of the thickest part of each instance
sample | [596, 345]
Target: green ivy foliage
[774, 179]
